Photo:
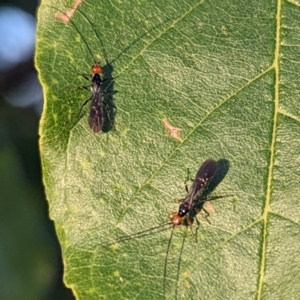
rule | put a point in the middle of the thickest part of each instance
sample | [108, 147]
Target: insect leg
[85, 88]
[177, 200]
[196, 230]
[84, 104]
[206, 215]
[188, 178]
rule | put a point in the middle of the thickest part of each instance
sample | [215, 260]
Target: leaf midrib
[267, 210]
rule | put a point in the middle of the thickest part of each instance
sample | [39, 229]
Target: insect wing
[96, 117]
[203, 177]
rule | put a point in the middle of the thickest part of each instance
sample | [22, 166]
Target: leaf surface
[226, 74]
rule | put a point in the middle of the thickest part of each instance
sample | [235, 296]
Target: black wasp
[99, 108]
[193, 201]
[190, 206]
[205, 173]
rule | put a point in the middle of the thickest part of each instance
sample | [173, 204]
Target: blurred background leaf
[213, 70]
[30, 260]
[30, 256]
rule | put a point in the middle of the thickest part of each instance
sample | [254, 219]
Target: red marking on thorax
[96, 69]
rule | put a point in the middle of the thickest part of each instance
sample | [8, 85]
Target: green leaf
[226, 74]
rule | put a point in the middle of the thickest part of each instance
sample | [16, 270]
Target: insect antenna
[179, 263]
[166, 261]
[140, 234]
[78, 31]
